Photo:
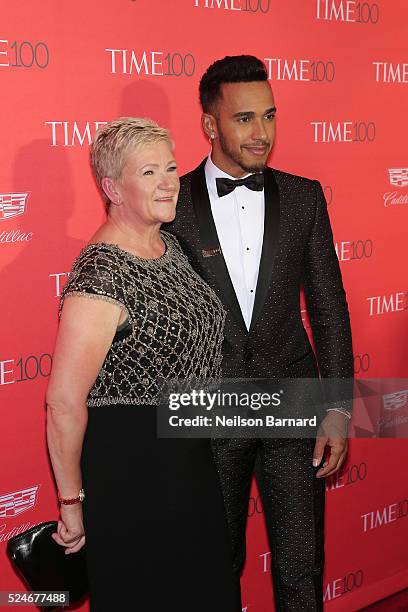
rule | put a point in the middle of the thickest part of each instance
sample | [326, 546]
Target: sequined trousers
[293, 501]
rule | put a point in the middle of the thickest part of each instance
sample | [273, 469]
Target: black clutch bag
[44, 565]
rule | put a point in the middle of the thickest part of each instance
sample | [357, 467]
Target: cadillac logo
[17, 502]
[12, 205]
[394, 401]
[398, 176]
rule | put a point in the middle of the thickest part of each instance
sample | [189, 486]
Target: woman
[153, 513]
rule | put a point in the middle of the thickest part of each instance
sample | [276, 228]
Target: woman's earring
[211, 138]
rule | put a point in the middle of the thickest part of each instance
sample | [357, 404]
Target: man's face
[244, 127]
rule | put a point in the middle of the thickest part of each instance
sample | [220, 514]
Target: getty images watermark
[215, 401]
[207, 400]
[284, 408]
[240, 408]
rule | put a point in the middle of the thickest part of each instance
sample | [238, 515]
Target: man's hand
[332, 432]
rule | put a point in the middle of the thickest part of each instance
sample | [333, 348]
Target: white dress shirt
[239, 221]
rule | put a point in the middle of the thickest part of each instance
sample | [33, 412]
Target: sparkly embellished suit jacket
[297, 252]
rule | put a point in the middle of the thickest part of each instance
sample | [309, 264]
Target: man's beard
[257, 167]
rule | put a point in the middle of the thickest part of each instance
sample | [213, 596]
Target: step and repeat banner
[339, 70]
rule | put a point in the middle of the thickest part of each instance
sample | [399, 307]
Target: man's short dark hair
[231, 69]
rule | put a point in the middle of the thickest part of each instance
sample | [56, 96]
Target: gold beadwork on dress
[175, 321]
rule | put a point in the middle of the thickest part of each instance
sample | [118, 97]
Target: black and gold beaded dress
[156, 531]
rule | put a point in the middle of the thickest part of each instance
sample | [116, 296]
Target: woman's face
[149, 184]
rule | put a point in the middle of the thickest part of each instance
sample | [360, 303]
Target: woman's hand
[70, 531]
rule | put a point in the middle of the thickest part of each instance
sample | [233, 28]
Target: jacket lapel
[211, 256]
[270, 243]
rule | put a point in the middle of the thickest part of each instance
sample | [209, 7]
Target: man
[256, 235]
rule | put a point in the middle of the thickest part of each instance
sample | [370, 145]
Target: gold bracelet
[72, 500]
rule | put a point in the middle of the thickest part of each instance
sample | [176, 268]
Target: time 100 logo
[24, 369]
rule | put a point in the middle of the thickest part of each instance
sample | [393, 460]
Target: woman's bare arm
[86, 331]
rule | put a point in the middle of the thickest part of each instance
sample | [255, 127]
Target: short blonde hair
[114, 141]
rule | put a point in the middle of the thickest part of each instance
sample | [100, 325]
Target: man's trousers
[293, 502]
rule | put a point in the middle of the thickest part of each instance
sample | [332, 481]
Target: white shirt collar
[212, 172]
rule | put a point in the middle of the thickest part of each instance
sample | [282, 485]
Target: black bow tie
[253, 181]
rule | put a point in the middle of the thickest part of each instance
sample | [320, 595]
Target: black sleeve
[97, 273]
[327, 305]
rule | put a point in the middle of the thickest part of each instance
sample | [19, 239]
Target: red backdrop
[339, 70]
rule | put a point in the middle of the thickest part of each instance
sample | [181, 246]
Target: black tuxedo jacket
[297, 250]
